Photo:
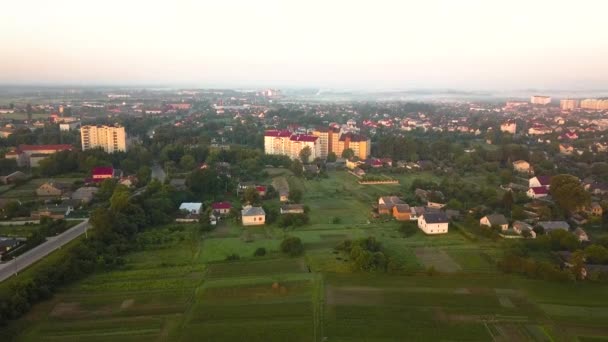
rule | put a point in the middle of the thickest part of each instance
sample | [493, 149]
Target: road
[26, 259]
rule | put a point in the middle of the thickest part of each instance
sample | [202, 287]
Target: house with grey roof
[253, 216]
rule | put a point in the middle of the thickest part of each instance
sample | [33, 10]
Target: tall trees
[568, 192]
[305, 154]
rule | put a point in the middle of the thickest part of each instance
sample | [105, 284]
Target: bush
[408, 228]
[292, 246]
[261, 251]
[233, 257]
[336, 220]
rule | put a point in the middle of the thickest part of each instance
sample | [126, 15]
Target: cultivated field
[185, 290]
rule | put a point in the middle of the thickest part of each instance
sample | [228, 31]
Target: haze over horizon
[359, 45]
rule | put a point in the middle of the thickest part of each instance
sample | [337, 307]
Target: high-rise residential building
[360, 145]
[324, 135]
[568, 104]
[540, 100]
[289, 144]
[595, 104]
[110, 138]
[509, 127]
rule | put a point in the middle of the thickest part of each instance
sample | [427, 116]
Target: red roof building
[277, 133]
[303, 137]
[103, 172]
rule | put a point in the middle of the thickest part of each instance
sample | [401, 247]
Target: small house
[292, 209]
[581, 234]
[52, 189]
[402, 212]
[498, 220]
[537, 192]
[539, 181]
[221, 208]
[433, 223]
[549, 226]
[386, 204]
[55, 212]
[521, 166]
[192, 207]
[253, 216]
[85, 194]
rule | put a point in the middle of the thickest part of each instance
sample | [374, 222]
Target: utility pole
[15, 264]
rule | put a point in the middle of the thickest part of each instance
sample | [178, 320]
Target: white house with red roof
[538, 181]
[222, 208]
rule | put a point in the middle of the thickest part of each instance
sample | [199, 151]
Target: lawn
[183, 289]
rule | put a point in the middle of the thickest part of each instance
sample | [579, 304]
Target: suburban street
[23, 261]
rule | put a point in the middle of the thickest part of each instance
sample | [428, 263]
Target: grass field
[27, 191]
[184, 290]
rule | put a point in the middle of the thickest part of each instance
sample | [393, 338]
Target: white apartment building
[110, 138]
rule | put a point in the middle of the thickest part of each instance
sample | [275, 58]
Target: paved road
[26, 259]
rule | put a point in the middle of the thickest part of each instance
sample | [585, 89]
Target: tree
[507, 200]
[260, 251]
[348, 153]
[144, 174]
[28, 110]
[568, 193]
[331, 157]
[187, 162]
[252, 195]
[295, 195]
[305, 154]
[296, 168]
[292, 246]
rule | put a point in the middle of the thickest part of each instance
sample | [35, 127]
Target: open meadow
[181, 288]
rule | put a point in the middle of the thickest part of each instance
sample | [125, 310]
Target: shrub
[292, 246]
[408, 228]
[336, 220]
[233, 257]
[261, 251]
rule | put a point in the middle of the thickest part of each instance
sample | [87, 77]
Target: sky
[379, 44]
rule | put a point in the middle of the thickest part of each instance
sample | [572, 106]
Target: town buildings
[321, 142]
[109, 138]
[595, 104]
[540, 100]
[568, 104]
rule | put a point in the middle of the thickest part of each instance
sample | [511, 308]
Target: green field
[27, 191]
[184, 290]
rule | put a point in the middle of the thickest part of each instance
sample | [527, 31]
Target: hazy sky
[326, 43]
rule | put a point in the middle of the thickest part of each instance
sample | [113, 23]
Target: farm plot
[438, 259]
[258, 311]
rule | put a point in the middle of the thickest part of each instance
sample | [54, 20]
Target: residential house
[52, 211]
[581, 234]
[85, 194]
[192, 207]
[566, 149]
[253, 216]
[52, 189]
[495, 220]
[13, 177]
[549, 226]
[433, 223]
[292, 209]
[537, 192]
[101, 173]
[386, 204]
[520, 227]
[595, 209]
[522, 166]
[597, 188]
[128, 181]
[402, 212]
[189, 212]
[539, 181]
[221, 208]
[283, 195]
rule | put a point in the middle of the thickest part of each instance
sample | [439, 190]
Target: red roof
[221, 205]
[303, 137]
[540, 190]
[277, 133]
[63, 147]
[260, 188]
[103, 170]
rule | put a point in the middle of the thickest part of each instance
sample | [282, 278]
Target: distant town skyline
[335, 44]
